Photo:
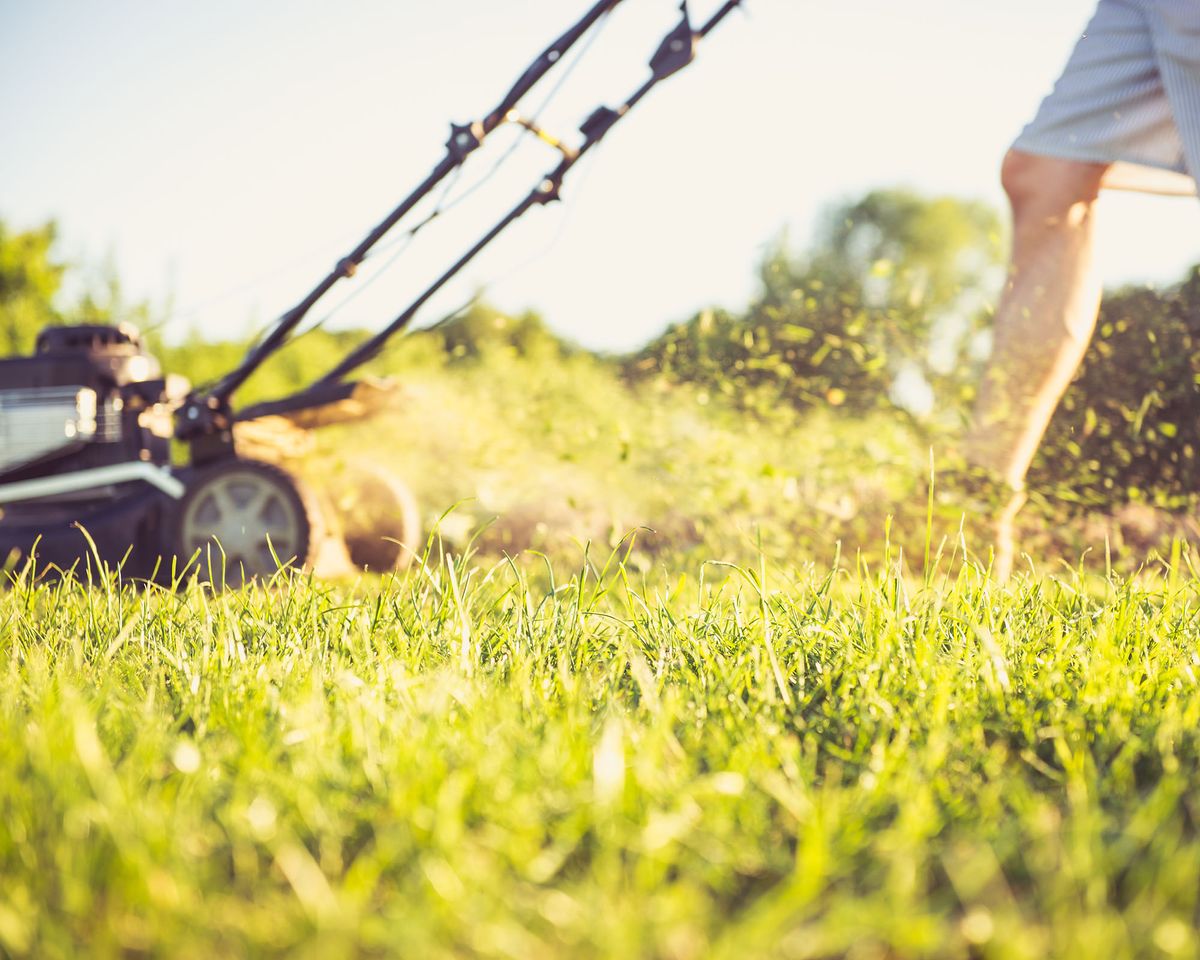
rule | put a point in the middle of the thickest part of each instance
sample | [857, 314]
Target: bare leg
[1043, 322]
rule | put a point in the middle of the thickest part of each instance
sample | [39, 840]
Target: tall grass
[484, 760]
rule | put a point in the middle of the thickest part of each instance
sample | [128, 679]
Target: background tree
[29, 281]
[926, 270]
[32, 291]
[882, 308]
[482, 329]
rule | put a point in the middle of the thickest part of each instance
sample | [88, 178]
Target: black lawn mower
[87, 422]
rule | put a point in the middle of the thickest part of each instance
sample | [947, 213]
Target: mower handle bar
[464, 140]
[677, 50]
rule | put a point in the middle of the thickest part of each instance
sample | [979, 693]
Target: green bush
[1129, 425]
[482, 329]
[798, 351]
[887, 298]
[477, 333]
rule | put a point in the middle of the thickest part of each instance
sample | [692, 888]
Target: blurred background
[761, 307]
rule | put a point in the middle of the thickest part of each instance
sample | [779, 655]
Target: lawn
[570, 731]
[497, 760]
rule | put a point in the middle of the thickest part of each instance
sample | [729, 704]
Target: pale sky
[224, 154]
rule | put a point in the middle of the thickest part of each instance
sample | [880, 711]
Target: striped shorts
[1130, 97]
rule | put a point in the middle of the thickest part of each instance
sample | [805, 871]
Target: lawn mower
[91, 428]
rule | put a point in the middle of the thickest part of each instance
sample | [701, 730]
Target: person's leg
[1046, 315]
[1043, 322]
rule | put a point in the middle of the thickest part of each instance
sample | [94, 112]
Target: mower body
[85, 451]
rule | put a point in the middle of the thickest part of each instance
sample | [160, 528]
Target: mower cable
[676, 51]
[464, 140]
[529, 125]
[444, 205]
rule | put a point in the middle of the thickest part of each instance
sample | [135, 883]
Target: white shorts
[1129, 96]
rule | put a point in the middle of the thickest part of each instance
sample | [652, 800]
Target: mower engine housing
[77, 402]
[88, 398]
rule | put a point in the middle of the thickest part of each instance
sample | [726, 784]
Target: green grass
[479, 760]
[653, 755]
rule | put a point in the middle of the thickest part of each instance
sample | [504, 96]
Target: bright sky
[224, 154]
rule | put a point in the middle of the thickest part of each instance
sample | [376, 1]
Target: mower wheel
[376, 516]
[244, 519]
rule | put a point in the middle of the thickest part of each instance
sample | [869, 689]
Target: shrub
[1129, 425]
